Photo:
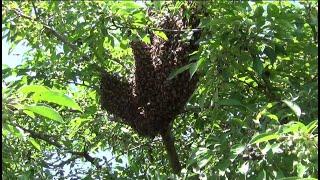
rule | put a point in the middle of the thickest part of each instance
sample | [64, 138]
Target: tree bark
[168, 141]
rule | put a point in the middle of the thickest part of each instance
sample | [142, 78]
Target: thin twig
[54, 32]
[35, 10]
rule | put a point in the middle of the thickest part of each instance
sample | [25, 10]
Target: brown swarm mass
[150, 102]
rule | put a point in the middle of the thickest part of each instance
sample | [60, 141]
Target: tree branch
[62, 38]
[44, 137]
[54, 32]
[87, 157]
[171, 151]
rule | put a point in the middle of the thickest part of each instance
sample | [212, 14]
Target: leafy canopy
[254, 114]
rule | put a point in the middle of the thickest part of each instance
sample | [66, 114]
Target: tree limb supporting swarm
[149, 102]
[168, 141]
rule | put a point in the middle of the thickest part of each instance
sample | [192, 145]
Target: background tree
[253, 115]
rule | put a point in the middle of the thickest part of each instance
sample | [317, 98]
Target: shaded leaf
[296, 178]
[258, 66]
[178, 71]
[270, 52]
[272, 10]
[194, 66]
[229, 102]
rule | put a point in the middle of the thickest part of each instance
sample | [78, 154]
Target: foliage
[253, 116]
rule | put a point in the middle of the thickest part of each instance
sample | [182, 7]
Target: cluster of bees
[150, 101]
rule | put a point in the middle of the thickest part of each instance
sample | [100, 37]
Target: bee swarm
[149, 102]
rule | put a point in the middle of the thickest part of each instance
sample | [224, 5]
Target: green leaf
[146, 39]
[258, 12]
[204, 162]
[293, 127]
[264, 137]
[272, 10]
[266, 148]
[236, 150]
[223, 164]
[294, 107]
[56, 97]
[301, 169]
[13, 130]
[311, 126]
[276, 148]
[35, 143]
[270, 52]
[296, 178]
[125, 130]
[32, 88]
[201, 150]
[29, 113]
[161, 34]
[229, 102]
[129, 5]
[174, 73]
[262, 175]
[194, 66]
[279, 49]
[258, 66]
[46, 112]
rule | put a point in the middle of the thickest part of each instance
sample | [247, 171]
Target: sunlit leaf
[146, 39]
[301, 169]
[244, 168]
[45, 111]
[125, 130]
[236, 150]
[264, 137]
[293, 127]
[29, 113]
[161, 34]
[35, 143]
[294, 107]
[201, 151]
[203, 162]
[311, 126]
[33, 88]
[56, 97]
